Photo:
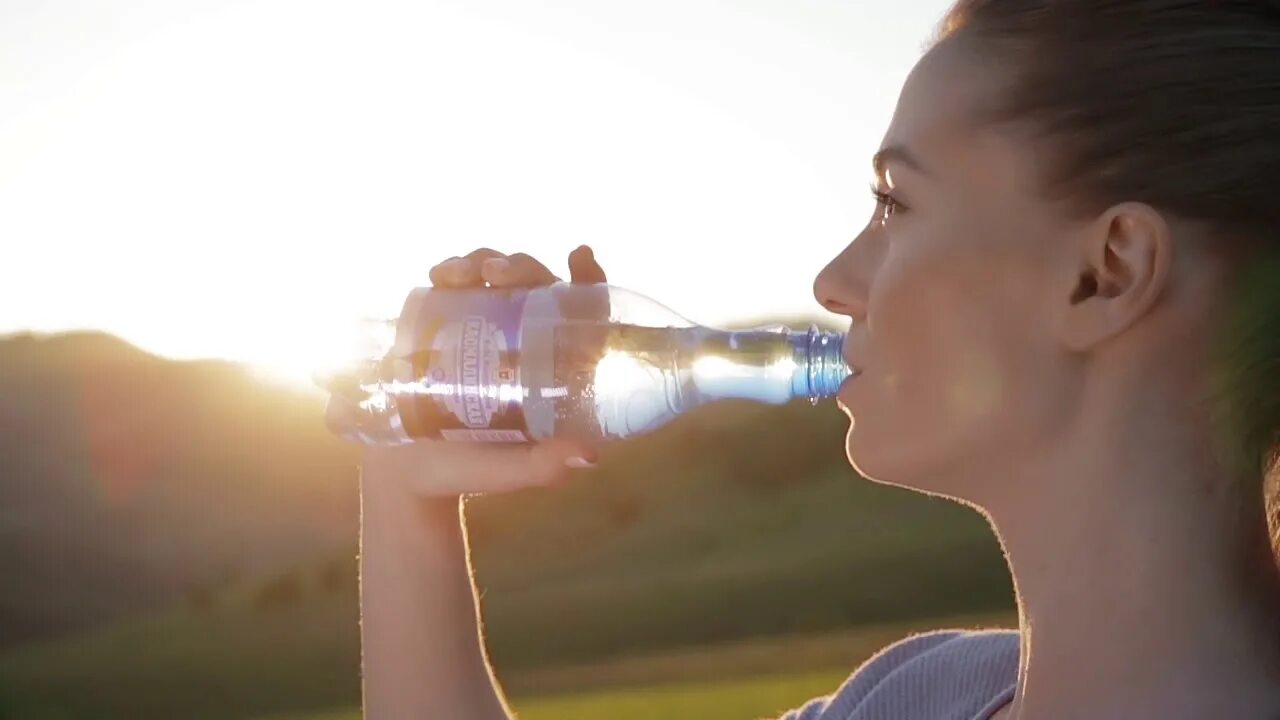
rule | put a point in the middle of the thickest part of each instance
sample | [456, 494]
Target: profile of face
[952, 289]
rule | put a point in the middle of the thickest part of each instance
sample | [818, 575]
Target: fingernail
[579, 463]
[496, 265]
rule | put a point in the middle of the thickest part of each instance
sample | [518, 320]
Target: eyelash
[886, 203]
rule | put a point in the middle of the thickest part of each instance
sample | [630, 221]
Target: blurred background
[195, 193]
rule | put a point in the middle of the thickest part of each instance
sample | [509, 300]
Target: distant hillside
[126, 479]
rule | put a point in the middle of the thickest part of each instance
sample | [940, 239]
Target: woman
[1064, 315]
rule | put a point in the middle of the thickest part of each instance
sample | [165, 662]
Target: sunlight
[710, 366]
[618, 374]
[208, 203]
[298, 364]
[723, 377]
[631, 394]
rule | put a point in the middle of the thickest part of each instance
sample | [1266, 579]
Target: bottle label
[463, 356]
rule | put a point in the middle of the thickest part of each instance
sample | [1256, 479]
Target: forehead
[937, 116]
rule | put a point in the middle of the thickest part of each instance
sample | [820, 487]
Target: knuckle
[484, 253]
[445, 264]
[494, 273]
[528, 266]
[452, 272]
[524, 262]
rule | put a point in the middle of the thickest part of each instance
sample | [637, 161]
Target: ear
[1124, 257]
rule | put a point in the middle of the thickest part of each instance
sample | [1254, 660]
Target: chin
[890, 461]
[862, 458]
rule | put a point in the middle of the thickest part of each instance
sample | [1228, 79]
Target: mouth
[843, 391]
[854, 369]
[852, 376]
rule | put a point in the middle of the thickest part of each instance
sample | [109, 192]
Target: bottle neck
[820, 367]
[773, 366]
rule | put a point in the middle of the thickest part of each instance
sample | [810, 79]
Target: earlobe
[1126, 256]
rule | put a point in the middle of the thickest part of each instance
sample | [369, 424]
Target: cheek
[944, 348]
[941, 343]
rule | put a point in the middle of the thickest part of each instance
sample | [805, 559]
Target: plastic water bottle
[588, 362]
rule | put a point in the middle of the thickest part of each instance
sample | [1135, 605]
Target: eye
[886, 204]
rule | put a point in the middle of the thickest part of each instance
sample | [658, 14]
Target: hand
[485, 266]
[439, 468]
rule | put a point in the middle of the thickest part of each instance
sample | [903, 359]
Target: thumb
[445, 468]
[583, 267]
[511, 468]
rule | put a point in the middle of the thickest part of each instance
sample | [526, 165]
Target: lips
[849, 359]
[847, 354]
[855, 371]
[853, 365]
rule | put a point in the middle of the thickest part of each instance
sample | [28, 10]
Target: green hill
[128, 480]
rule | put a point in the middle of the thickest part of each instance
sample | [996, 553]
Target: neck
[1128, 554]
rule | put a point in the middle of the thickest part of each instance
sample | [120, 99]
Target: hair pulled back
[1175, 103]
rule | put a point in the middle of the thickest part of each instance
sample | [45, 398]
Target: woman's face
[952, 288]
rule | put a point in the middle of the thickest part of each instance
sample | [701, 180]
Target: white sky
[228, 179]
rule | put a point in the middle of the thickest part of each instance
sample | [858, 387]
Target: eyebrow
[895, 153]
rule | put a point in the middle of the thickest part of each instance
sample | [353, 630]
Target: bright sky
[219, 178]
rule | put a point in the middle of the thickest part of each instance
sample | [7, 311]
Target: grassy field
[743, 680]
[161, 668]
[756, 594]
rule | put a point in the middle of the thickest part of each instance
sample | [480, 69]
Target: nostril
[840, 291]
[834, 306]
[847, 306]
[824, 293]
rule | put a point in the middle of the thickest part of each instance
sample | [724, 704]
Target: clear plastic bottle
[587, 362]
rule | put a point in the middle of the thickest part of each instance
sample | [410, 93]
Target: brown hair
[1175, 103]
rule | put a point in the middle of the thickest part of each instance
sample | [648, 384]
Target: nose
[841, 287]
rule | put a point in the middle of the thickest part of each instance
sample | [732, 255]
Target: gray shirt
[939, 675]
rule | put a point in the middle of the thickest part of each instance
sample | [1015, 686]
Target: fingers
[432, 469]
[517, 270]
[583, 267]
[462, 272]
[452, 469]
[485, 266]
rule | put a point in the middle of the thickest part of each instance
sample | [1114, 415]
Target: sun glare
[299, 363]
[618, 374]
[196, 177]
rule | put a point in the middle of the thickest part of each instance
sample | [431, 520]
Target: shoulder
[941, 674]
